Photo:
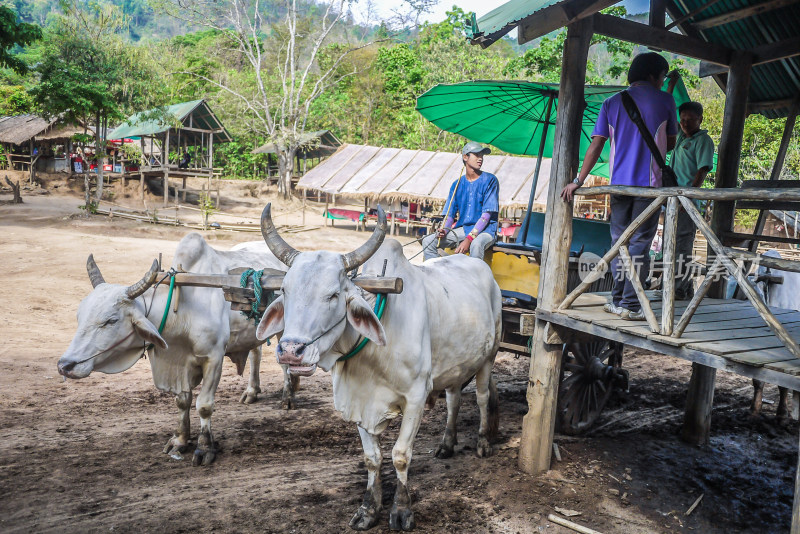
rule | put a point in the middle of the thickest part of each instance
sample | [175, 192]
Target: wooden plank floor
[725, 334]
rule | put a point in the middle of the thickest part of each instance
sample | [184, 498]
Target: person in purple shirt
[470, 212]
[632, 164]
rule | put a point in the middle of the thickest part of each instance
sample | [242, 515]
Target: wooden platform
[724, 334]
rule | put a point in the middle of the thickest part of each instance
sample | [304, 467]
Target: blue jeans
[452, 239]
[624, 210]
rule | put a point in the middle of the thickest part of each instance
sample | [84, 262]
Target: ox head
[318, 301]
[111, 327]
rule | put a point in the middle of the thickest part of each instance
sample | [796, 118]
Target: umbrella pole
[524, 229]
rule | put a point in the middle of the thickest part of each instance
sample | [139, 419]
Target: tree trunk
[100, 149]
[286, 170]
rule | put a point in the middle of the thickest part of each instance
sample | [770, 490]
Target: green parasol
[516, 117]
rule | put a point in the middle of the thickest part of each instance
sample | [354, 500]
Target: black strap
[636, 117]
[667, 174]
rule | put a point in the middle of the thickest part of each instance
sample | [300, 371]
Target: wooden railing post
[539, 423]
[668, 284]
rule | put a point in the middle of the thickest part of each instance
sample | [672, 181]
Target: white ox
[116, 323]
[443, 329]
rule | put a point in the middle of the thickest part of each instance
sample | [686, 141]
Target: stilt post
[538, 424]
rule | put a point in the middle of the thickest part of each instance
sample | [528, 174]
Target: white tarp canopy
[361, 171]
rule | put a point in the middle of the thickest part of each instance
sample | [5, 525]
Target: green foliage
[12, 34]
[14, 100]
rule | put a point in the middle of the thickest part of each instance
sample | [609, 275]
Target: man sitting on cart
[632, 166]
[470, 214]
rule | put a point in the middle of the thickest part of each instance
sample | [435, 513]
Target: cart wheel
[590, 371]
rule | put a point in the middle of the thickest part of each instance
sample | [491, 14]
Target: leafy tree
[14, 33]
[14, 100]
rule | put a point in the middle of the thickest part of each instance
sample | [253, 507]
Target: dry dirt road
[85, 456]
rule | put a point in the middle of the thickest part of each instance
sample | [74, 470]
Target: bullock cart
[591, 367]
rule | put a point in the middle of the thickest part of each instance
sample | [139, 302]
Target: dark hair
[645, 65]
[692, 107]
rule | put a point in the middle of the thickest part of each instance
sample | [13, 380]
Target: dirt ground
[86, 456]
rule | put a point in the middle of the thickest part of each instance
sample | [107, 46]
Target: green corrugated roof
[143, 123]
[503, 19]
[778, 80]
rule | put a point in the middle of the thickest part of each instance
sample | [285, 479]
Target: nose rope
[145, 348]
[328, 330]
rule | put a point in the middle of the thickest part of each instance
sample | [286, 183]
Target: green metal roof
[771, 22]
[501, 20]
[777, 80]
[156, 121]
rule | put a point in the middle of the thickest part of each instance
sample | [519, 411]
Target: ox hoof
[365, 518]
[287, 403]
[401, 519]
[250, 396]
[204, 457]
[174, 447]
[484, 449]
[444, 451]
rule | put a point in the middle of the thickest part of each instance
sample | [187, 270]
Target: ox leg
[486, 393]
[206, 449]
[402, 517]
[180, 440]
[758, 393]
[250, 395]
[368, 513]
[446, 447]
[784, 405]
[291, 383]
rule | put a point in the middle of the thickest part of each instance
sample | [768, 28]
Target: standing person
[470, 214]
[692, 158]
[632, 164]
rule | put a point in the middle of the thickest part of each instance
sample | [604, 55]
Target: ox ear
[272, 320]
[363, 319]
[145, 330]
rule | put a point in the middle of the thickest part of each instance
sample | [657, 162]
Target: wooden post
[697, 417]
[796, 504]
[730, 148]
[165, 163]
[538, 424]
[668, 286]
[777, 168]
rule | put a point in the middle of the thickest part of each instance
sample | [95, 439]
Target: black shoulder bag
[668, 178]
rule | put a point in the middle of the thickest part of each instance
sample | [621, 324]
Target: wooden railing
[723, 260]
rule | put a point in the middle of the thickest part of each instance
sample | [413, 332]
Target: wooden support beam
[716, 248]
[730, 148]
[558, 16]
[661, 39]
[630, 269]
[757, 238]
[538, 424]
[696, 428]
[692, 13]
[768, 105]
[773, 263]
[698, 296]
[739, 14]
[776, 51]
[777, 167]
[668, 284]
[658, 14]
[731, 194]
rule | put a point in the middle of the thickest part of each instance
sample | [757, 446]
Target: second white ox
[116, 322]
[443, 329]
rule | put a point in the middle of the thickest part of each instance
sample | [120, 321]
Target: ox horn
[353, 260]
[94, 272]
[144, 284]
[282, 250]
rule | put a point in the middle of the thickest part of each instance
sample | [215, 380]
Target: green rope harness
[166, 309]
[259, 293]
[380, 305]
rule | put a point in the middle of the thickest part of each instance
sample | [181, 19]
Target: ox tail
[494, 411]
